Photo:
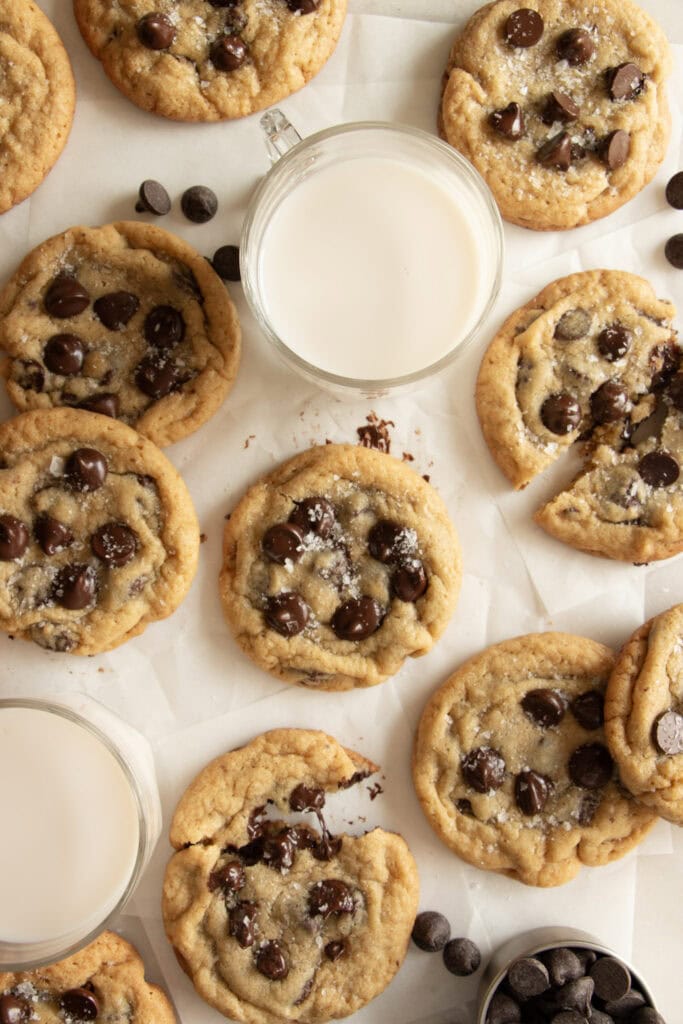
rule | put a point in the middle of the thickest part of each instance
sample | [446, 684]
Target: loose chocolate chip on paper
[556, 152]
[575, 46]
[668, 733]
[483, 769]
[659, 469]
[115, 309]
[523, 28]
[508, 121]
[228, 53]
[461, 957]
[80, 1003]
[357, 619]
[105, 404]
[155, 31]
[591, 766]
[561, 413]
[52, 535]
[14, 538]
[75, 587]
[431, 931]
[559, 107]
[13, 1010]
[614, 341]
[226, 262]
[673, 250]
[531, 792]
[545, 707]
[614, 149]
[153, 198]
[625, 81]
[611, 978]
[64, 354]
[65, 297]
[314, 515]
[199, 204]
[85, 470]
[528, 977]
[674, 191]
[589, 709]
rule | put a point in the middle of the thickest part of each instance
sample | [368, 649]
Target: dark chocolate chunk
[335, 949]
[409, 582]
[156, 375]
[303, 6]
[464, 807]
[673, 250]
[52, 535]
[556, 152]
[614, 341]
[483, 769]
[591, 766]
[228, 53]
[658, 468]
[242, 921]
[575, 323]
[559, 107]
[314, 515]
[155, 31]
[508, 121]
[283, 542]
[307, 798]
[199, 203]
[625, 81]
[528, 977]
[387, 541]
[64, 354]
[614, 149]
[357, 619]
[29, 375]
[575, 46]
[461, 957]
[153, 198]
[85, 470]
[503, 1010]
[576, 995]
[287, 613]
[226, 262]
[230, 877]
[545, 707]
[523, 27]
[431, 931]
[331, 896]
[664, 361]
[14, 538]
[589, 709]
[561, 413]
[563, 965]
[271, 962]
[611, 978]
[623, 1009]
[531, 792]
[279, 850]
[13, 1010]
[75, 587]
[80, 1003]
[105, 404]
[667, 733]
[610, 402]
[674, 191]
[114, 544]
[164, 327]
[116, 308]
[66, 297]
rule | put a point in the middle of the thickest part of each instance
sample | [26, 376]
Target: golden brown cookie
[38, 99]
[590, 358]
[272, 917]
[560, 105]
[510, 763]
[207, 60]
[337, 566]
[126, 320]
[98, 534]
[643, 714]
[105, 981]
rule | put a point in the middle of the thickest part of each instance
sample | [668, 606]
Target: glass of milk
[371, 254]
[80, 815]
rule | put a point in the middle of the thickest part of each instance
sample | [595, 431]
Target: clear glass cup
[105, 737]
[296, 161]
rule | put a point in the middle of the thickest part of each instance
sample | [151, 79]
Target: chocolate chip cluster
[432, 933]
[75, 1004]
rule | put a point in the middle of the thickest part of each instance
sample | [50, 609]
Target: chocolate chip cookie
[125, 320]
[207, 60]
[98, 534]
[272, 917]
[560, 105]
[644, 714]
[38, 99]
[511, 766]
[337, 566]
[593, 358]
[103, 982]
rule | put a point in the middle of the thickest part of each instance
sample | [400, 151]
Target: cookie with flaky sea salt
[98, 534]
[560, 105]
[644, 714]
[273, 917]
[38, 99]
[126, 320]
[511, 767]
[208, 60]
[337, 566]
[591, 358]
[105, 981]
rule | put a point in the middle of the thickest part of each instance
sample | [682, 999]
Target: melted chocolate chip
[105, 404]
[114, 544]
[64, 354]
[546, 707]
[155, 31]
[528, 977]
[52, 535]
[271, 962]
[589, 709]
[625, 81]
[611, 978]
[230, 877]
[483, 769]
[574, 324]
[673, 250]
[303, 6]
[559, 107]
[575, 46]
[658, 469]
[614, 341]
[385, 541]
[664, 361]
[164, 327]
[556, 152]
[241, 923]
[357, 619]
[667, 733]
[115, 309]
[523, 27]
[591, 766]
[307, 798]
[29, 375]
[335, 949]
[75, 587]
[287, 613]
[85, 470]
[283, 542]
[14, 538]
[156, 376]
[13, 1010]
[561, 413]
[431, 931]
[531, 792]
[226, 262]
[610, 402]
[199, 203]
[153, 198]
[80, 1003]
[614, 149]
[65, 297]
[675, 392]
[314, 515]
[461, 957]
[409, 582]
[508, 121]
[279, 850]
[330, 896]
[674, 191]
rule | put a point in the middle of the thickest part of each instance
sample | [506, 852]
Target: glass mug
[371, 254]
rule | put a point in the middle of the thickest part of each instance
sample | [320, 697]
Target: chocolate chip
[614, 341]
[303, 6]
[576, 995]
[461, 957]
[157, 376]
[559, 107]
[115, 309]
[673, 250]
[228, 53]
[431, 931]
[85, 470]
[563, 966]
[464, 807]
[385, 541]
[586, 956]
[561, 413]
[556, 152]
[155, 31]
[675, 392]
[598, 1017]
[609, 403]
[314, 515]
[153, 198]
[658, 468]
[330, 896]
[575, 323]
[587, 808]
[283, 542]
[357, 619]
[508, 121]
[624, 1007]
[164, 327]
[483, 769]
[569, 1017]
[279, 850]
[523, 27]
[13, 1010]
[226, 262]
[575, 46]
[591, 766]
[645, 1015]
[664, 361]
[503, 1010]
[65, 297]
[271, 962]
[335, 949]
[307, 798]
[625, 81]
[80, 1003]
[52, 535]
[14, 538]
[105, 404]
[589, 709]
[531, 792]
[29, 375]
[114, 544]
[409, 582]
[528, 977]
[64, 354]
[224, 3]
[75, 587]
[614, 149]
[611, 978]
[241, 922]
[287, 613]
[667, 733]
[546, 707]
[328, 846]
[674, 191]
[199, 204]
[230, 877]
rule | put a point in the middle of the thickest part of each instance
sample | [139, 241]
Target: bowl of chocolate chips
[562, 976]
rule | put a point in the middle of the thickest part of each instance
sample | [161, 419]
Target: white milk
[69, 824]
[372, 269]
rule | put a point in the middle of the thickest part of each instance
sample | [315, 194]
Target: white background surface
[185, 684]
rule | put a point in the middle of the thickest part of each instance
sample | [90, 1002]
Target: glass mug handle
[280, 134]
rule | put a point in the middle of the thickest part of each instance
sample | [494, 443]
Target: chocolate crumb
[374, 790]
[202, 538]
[407, 457]
[426, 477]
[375, 434]
[248, 440]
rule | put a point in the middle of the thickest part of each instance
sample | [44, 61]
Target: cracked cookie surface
[593, 357]
[337, 566]
[206, 60]
[105, 981]
[98, 534]
[510, 763]
[644, 714]
[126, 320]
[534, 96]
[39, 95]
[271, 919]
